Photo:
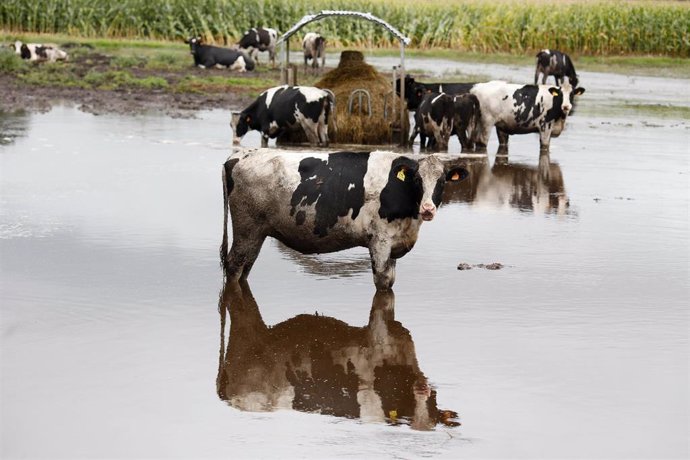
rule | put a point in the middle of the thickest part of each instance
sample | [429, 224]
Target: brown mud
[17, 95]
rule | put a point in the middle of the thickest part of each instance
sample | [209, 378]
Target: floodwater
[113, 345]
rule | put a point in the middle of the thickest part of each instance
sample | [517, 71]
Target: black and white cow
[314, 46]
[552, 62]
[282, 108]
[434, 119]
[467, 119]
[207, 56]
[318, 203]
[38, 52]
[260, 39]
[522, 109]
[415, 91]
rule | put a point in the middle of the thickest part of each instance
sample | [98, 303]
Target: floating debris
[493, 266]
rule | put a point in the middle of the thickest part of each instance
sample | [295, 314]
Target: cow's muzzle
[427, 211]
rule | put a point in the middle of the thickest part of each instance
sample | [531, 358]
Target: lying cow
[320, 364]
[434, 119]
[314, 46]
[317, 203]
[39, 53]
[415, 91]
[518, 109]
[282, 108]
[207, 56]
[552, 62]
[260, 39]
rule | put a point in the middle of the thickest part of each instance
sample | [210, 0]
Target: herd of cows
[327, 202]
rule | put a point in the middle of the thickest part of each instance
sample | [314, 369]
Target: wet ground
[577, 347]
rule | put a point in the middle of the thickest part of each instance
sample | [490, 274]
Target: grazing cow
[518, 109]
[552, 62]
[206, 56]
[39, 53]
[317, 203]
[314, 46]
[282, 108]
[415, 91]
[434, 118]
[260, 39]
[316, 363]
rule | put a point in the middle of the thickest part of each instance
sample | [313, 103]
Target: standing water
[113, 345]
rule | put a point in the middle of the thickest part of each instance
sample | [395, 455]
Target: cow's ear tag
[248, 119]
[554, 92]
[401, 174]
[457, 175]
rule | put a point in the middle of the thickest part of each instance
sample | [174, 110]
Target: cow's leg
[483, 134]
[502, 138]
[264, 140]
[413, 135]
[543, 80]
[243, 253]
[382, 265]
[322, 131]
[536, 75]
[544, 140]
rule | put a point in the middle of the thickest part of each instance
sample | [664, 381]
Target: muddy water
[112, 344]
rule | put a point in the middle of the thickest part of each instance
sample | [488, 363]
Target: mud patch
[492, 266]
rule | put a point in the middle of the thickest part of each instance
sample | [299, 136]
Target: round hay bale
[359, 127]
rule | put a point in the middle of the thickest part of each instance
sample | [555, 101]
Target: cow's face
[426, 179]
[565, 96]
[194, 43]
[241, 123]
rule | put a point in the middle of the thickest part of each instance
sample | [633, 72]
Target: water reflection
[12, 126]
[315, 363]
[327, 265]
[538, 188]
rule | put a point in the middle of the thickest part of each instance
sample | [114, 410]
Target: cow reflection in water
[314, 363]
[525, 187]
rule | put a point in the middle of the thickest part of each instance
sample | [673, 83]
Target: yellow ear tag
[554, 93]
[401, 175]
[455, 176]
[393, 415]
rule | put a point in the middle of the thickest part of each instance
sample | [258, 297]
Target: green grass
[586, 27]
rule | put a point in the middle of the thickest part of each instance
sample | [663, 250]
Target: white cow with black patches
[318, 203]
[282, 108]
[522, 109]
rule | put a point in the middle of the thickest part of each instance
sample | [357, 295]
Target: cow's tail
[224, 241]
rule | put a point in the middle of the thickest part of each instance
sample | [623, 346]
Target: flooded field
[578, 347]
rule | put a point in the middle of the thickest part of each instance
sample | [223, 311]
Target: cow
[314, 46]
[328, 202]
[207, 56]
[434, 119]
[466, 120]
[415, 91]
[38, 52]
[552, 62]
[260, 39]
[282, 108]
[521, 109]
[319, 364]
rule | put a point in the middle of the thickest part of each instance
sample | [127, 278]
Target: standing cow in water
[434, 120]
[318, 203]
[552, 62]
[260, 39]
[522, 109]
[279, 109]
[314, 46]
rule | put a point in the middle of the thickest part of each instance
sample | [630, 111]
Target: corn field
[583, 27]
